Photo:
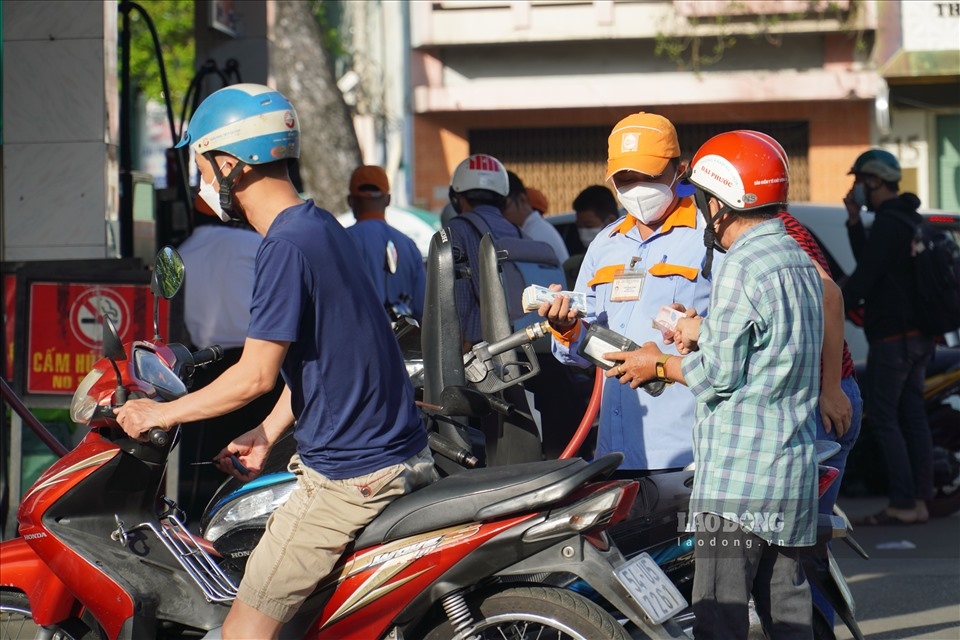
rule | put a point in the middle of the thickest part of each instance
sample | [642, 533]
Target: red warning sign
[65, 330]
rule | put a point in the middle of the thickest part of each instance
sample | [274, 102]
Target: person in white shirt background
[519, 211]
[218, 260]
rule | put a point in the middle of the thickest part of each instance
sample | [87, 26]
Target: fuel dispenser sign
[65, 336]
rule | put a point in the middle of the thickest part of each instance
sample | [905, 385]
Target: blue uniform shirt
[652, 433]
[351, 396]
[371, 233]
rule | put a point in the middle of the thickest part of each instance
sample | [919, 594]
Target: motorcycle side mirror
[458, 400]
[168, 275]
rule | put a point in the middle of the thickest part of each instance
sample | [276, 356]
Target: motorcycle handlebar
[448, 450]
[208, 355]
[158, 437]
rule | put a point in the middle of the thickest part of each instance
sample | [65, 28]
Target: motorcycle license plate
[651, 588]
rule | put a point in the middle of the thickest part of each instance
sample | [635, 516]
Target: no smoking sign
[89, 309]
[65, 321]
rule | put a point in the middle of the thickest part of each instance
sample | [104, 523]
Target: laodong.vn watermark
[729, 531]
[728, 521]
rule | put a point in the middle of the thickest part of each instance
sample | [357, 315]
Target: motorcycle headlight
[83, 405]
[255, 504]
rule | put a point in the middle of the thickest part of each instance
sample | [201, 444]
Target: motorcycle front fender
[595, 567]
[20, 568]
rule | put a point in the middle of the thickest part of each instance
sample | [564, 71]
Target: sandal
[882, 518]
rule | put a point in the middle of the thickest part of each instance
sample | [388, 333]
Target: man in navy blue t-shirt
[315, 320]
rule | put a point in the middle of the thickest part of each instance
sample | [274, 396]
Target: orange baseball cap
[643, 142]
[537, 200]
[372, 177]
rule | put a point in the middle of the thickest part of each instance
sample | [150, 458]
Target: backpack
[936, 263]
[523, 262]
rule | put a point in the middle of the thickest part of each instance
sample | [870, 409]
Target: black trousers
[733, 564]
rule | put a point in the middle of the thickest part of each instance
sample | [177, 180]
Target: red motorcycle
[102, 554]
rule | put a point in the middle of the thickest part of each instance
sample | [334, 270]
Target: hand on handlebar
[558, 312]
[138, 417]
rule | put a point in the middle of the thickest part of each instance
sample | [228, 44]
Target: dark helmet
[877, 162]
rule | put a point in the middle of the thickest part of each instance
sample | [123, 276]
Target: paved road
[911, 592]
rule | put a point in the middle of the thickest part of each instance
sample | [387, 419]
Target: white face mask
[646, 201]
[212, 197]
[587, 234]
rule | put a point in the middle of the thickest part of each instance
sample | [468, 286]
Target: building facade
[918, 54]
[540, 84]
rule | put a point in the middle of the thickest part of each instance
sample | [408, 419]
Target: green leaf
[173, 20]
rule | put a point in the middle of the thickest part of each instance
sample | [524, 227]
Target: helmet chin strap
[709, 234]
[226, 183]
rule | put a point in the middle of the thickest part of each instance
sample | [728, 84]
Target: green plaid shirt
[756, 380]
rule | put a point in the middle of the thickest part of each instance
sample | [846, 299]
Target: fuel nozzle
[480, 359]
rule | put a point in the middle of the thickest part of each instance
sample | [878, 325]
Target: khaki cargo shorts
[308, 533]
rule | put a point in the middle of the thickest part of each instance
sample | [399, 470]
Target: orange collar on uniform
[370, 215]
[684, 215]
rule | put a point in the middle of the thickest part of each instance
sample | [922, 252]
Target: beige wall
[579, 65]
[838, 132]
[61, 130]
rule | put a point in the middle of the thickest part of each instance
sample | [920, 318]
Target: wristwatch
[662, 369]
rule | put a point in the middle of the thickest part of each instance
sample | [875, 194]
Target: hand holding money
[561, 308]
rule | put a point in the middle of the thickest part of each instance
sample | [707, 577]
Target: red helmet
[744, 169]
[776, 144]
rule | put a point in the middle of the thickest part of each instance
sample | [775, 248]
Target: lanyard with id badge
[628, 282]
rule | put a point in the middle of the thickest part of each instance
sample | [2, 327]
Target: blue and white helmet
[250, 121]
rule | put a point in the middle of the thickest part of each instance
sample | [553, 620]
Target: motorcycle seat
[482, 494]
